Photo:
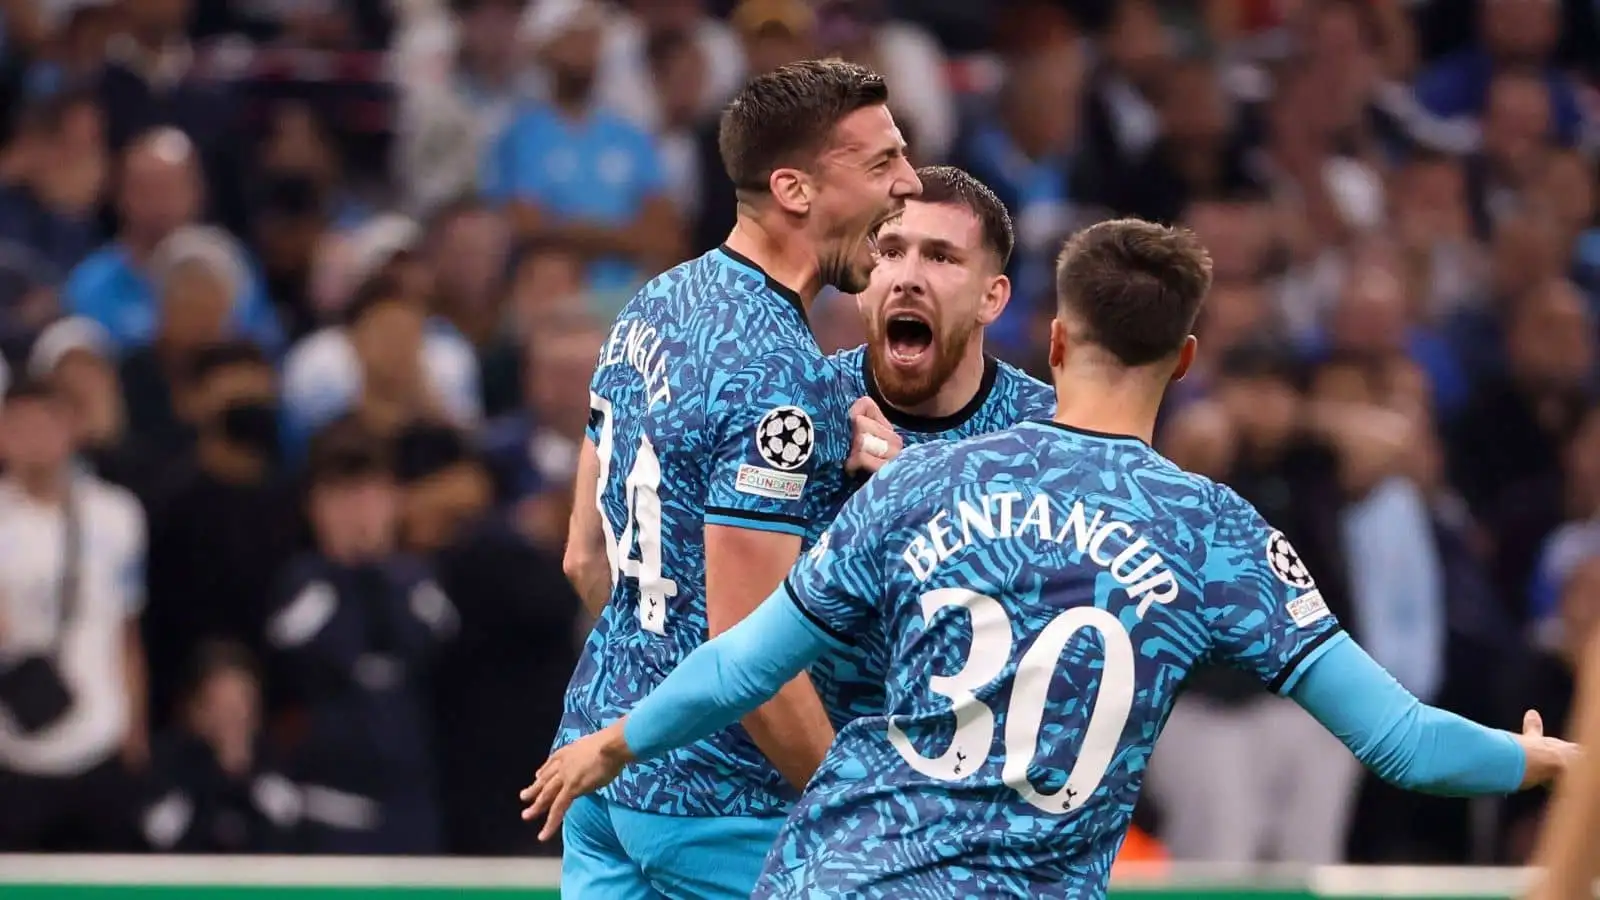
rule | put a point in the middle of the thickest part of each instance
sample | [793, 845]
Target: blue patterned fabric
[851, 682]
[1043, 593]
[711, 404]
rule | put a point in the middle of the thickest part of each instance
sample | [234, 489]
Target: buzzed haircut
[784, 117]
[1135, 286]
[955, 187]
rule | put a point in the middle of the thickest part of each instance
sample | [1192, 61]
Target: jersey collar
[789, 294]
[1088, 432]
[931, 424]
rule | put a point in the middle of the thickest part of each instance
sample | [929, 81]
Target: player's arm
[793, 730]
[1413, 745]
[1268, 618]
[585, 562]
[756, 513]
[827, 596]
[1569, 846]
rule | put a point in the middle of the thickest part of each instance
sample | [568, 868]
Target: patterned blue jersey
[1043, 592]
[851, 683]
[711, 403]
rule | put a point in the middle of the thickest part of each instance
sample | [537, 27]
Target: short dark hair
[956, 187]
[1135, 285]
[214, 358]
[784, 117]
[379, 290]
[346, 451]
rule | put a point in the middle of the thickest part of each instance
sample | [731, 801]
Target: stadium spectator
[623, 78]
[48, 212]
[354, 628]
[200, 281]
[571, 169]
[1027, 152]
[1514, 426]
[1417, 247]
[517, 618]
[1458, 90]
[772, 32]
[224, 519]
[75, 355]
[215, 787]
[72, 690]
[1210, 774]
[159, 193]
[383, 364]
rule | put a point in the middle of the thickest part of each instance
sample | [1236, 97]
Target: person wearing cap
[74, 355]
[201, 278]
[569, 168]
[159, 194]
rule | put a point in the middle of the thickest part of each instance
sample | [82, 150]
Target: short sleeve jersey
[850, 682]
[712, 403]
[1043, 593]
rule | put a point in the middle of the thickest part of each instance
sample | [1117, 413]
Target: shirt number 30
[990, 651]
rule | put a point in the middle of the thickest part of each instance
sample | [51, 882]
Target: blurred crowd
[299, 301]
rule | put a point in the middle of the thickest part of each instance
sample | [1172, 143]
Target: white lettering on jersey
[637, 344]
[1136, 566]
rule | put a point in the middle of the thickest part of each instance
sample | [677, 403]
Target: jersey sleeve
[839, 582]
[1263, 608]
[764, 425]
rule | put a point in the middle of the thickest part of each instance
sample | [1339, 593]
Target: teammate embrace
[996, 627]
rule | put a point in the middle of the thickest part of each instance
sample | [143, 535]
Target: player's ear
[1185, 357]
[1058, 344]
[792, 190]
[994, 300]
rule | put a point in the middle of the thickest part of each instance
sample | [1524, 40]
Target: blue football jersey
[1006, 396]
[711, 402]
[850, 683]
[1043, 593]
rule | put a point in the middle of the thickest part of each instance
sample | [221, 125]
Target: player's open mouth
[909, 337]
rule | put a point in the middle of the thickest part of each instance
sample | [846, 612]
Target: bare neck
[790, 259]
[47, 487]
[1089, 399]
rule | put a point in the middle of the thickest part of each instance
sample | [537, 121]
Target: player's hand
[873, 440]
[582, 767]
[1548, 757]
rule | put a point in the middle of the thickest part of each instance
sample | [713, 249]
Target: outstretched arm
[721, 681]
[1412, 745]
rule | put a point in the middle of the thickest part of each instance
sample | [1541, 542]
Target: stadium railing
[327, 878]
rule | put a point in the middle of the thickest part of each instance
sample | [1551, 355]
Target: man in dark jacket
[353, 632]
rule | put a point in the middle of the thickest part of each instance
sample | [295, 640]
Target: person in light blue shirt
[160, 193]
[570, 170]
[1044, 591]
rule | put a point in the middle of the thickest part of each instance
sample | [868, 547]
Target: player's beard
[910, 387]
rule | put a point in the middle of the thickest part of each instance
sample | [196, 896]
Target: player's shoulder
[849, 366]
[1030, 396]
[849, 358]
[953, 461]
